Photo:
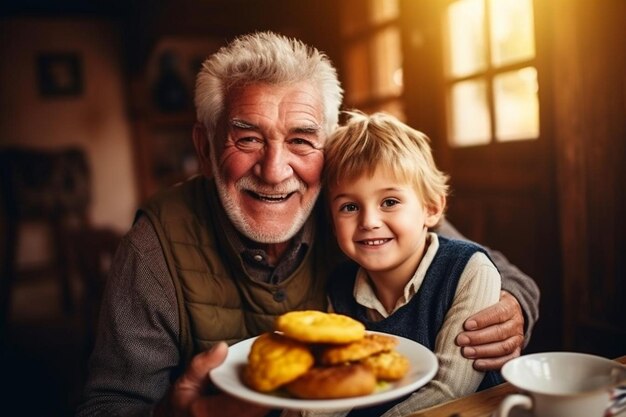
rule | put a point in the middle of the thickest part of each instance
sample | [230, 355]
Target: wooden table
[480, 404]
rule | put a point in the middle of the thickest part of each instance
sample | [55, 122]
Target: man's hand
[186, 397]
[494, 335]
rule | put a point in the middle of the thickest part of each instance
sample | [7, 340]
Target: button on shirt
[255, 259]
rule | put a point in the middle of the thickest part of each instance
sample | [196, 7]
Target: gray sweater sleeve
[514, 281]
[136, 350]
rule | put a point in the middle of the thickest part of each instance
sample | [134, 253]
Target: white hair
[269, 58]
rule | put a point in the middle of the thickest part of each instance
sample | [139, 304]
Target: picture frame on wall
[60, 74]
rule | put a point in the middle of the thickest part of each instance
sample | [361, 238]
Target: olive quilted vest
[217, 300]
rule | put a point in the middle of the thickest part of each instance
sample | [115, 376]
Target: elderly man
[217, 258]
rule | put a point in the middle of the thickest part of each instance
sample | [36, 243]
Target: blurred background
[524, 100]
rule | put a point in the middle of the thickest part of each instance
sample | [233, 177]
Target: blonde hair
[264, 57]
[366, 143]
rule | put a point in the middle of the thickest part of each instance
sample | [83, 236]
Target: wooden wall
[589, 83]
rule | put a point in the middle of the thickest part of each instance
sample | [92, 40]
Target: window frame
[489, 74]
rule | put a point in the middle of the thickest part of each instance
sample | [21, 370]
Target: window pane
[512, 36]
[516, 105]
[470, 121]
[383, 10]
[387, 63]
[357, 84]
[466, 40]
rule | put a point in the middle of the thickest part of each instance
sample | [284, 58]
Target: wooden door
[589, 79]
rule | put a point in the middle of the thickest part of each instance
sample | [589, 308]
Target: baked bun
[311, 326]
[387, 366]
[317, 355]
[355, 351]
[350, 380]
[275, 360]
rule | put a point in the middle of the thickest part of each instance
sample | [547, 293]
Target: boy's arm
[495, 339]
[478, 288]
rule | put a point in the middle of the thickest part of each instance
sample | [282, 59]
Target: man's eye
[249, 143]
[390, 202]
[300, 141]
[299, 145]
[348, 207]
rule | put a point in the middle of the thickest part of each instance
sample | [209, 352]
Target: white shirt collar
[365, 293]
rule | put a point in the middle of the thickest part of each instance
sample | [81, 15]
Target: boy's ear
[203, 149]
[434, 212]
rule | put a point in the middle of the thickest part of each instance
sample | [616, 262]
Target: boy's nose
[369, 219]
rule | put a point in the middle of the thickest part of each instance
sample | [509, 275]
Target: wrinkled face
[381, 223]
[268, 170]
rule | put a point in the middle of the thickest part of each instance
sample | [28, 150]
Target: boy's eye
[348, 207]
[390, 202]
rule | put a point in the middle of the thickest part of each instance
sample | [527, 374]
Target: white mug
[565, 384]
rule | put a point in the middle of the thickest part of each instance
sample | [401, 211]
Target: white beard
[239, 219]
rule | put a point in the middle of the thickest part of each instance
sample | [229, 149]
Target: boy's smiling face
[381, 223]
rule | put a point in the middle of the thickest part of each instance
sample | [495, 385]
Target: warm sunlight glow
[388, 61]
[466, 40]
[517, 105]
[493, 88]
[398, 77]
[383, 10]
[373, 55]
[470, 114]
[512, 35]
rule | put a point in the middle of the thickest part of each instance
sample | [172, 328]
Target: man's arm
[492, 336]
[136, 355]
[135, 351]
[187, 398]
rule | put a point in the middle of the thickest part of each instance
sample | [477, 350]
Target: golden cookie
[341, 381]
[312, 326]
[275, 360]
[388, 366]
[355, 351]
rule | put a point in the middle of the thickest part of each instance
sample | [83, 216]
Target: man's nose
[274, 165]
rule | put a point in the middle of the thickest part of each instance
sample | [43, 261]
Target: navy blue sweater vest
[420, 319]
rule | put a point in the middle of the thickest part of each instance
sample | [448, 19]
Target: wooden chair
[93, 250]
[50, 187]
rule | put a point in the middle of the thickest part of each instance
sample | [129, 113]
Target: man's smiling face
[268, 170]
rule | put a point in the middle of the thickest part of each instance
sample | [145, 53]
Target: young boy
[384, 193]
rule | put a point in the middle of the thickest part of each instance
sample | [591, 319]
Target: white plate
[423, 368]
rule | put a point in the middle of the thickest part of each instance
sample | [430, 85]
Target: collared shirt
[365, 294]
[135, 354]
[255, 259]
[478, 288]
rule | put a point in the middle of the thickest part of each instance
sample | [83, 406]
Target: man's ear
[434, 212]
[203, 149]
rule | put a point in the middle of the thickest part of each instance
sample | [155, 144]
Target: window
[373, 58]
[491, 76]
